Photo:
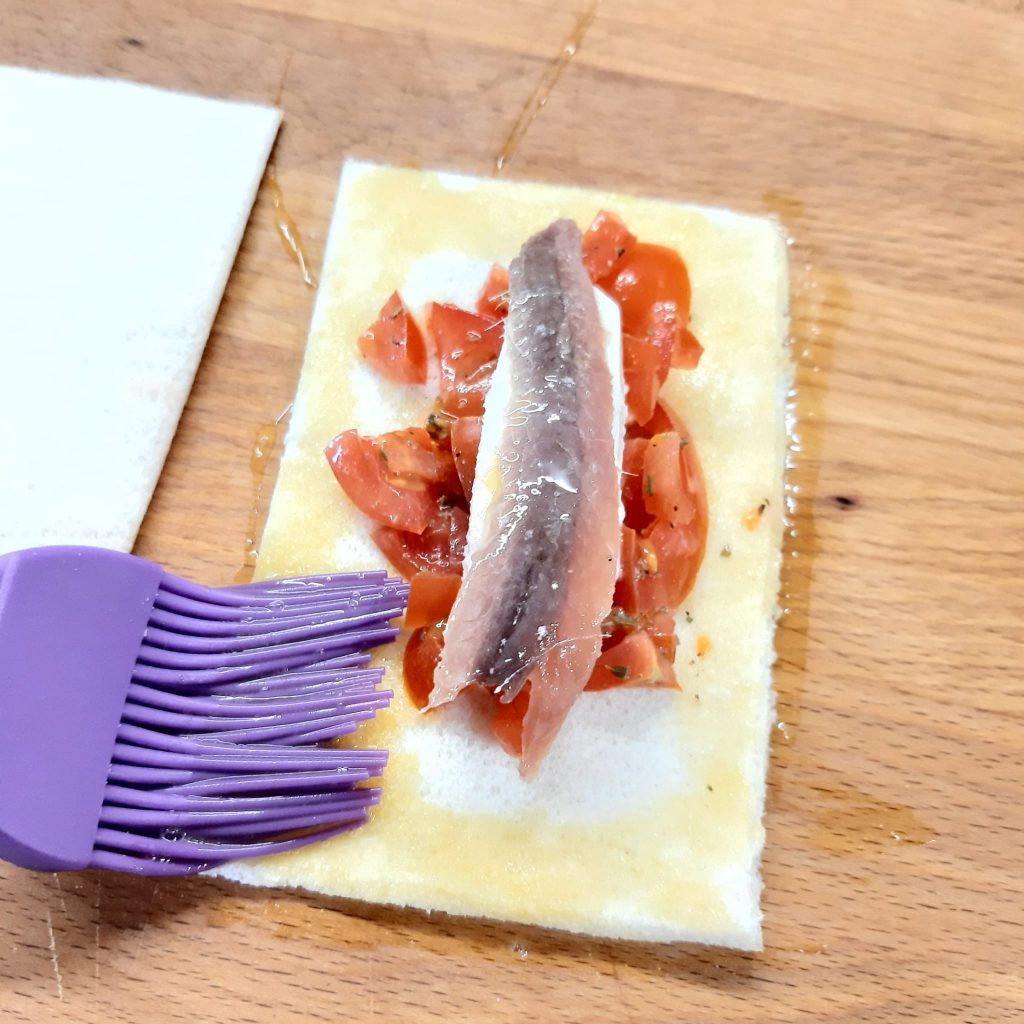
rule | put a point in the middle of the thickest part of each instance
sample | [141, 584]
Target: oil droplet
[815, 948]
[856, 823]
[549, 79]
[287, 229]
[259, 458]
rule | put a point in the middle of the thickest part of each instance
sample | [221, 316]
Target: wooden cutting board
[889, 139]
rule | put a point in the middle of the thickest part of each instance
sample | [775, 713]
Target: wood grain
[890, 140]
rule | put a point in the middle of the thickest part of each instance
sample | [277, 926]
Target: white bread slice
[122, 207]
[644, 820]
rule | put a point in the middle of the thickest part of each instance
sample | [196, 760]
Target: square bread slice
[123, 207]
[644, 820]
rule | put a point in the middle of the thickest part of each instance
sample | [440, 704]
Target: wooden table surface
[889, 137]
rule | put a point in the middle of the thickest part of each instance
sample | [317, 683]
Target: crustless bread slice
[644, 821]
[123, 207]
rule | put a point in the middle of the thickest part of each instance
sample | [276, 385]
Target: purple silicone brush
[154, 726]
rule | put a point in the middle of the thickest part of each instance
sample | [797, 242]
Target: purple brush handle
[59, 717]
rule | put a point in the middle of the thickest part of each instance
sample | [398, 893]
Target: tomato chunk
[431, 596]
[661, 625]
[663, 420]
[634, 453]
[605, 243]
[645, 365]
[633, 661]
[468, 345]
[493, 297]
[507, 724]
[652, 287]
[669, 563]
[688, 350]
[625, 585]
[438, 548]
[422, 653]
[667, 494]
[393, 345]
[465, 438]
[361, 469]
[414, 460]
[670, 552]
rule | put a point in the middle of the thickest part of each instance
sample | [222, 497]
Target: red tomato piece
[666, 488]
[465, 438]
[438, 548]
[413, 460]
[431, 596]
[633, 661]
[671, 558]
[468, 345]
[422, 653]
[634, 452]
[663, 420]
[661, 625]
[361, 470]
[625, 586]
[645, 365]
[507, 724]
[688, 350]
[605, 243]
[670, 555]
[652, 287]
[493, 298]
[393, 345]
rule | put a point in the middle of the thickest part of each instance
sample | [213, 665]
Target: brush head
[154, 726]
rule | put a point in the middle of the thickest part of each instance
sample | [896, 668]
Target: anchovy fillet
[542, 555]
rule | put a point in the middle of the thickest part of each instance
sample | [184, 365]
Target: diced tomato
[670, 551]
[468, 345]
[414, 460]
[633, 661]
[422, 653]
[438, 548]
[393, 345]
[652, 287]
[672, 556]
[645, 365]
[661, 625]
[625, 586]
[507, 724]
[688, 350]
[465, 440]
[605, 243]
[362, 471]
[666, 490]
[493, 297]
[634, 452]
[431, 596]
[663, 420]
